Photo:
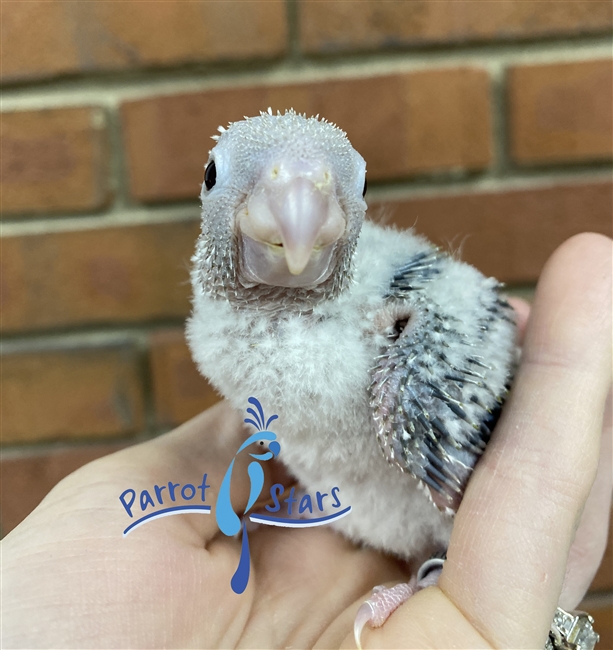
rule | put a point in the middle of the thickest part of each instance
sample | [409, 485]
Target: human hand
[71, 580]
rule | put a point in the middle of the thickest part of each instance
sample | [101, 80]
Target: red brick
[561, 112]
[604, 578]
[406, 124]
[127, 274]
[507, 234]
[449, 120]
[42, 39]
[54, 160]
[336, 26]
[180, 392]
[71, 393]
[26, 479]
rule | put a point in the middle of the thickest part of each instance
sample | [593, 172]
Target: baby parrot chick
[386, 359]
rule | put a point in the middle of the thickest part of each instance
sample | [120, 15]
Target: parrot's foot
[385, 600]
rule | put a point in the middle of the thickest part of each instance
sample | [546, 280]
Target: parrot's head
[282, 207]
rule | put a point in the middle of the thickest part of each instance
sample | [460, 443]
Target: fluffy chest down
[314, 369]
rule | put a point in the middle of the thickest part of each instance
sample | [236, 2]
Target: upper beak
[300, 211]
[295, 216]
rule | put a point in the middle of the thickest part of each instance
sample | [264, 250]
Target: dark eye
[262, 443]
[365, 187]
[210, 175]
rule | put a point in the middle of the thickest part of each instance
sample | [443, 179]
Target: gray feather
[414, 409]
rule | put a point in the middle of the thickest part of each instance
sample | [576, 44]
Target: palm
[167, 583]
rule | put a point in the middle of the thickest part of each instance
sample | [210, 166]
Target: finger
[522, 313]
[592, 535]
[513, 532]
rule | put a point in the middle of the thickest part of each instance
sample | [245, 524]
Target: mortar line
[37, 448]
[293, 31]
[118, 173]
[499, 121]
[73, 338]
[111, 92]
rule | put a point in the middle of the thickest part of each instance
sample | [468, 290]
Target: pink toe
[385, 601]
[378, 608]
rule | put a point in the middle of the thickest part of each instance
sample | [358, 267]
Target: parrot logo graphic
[228, 521]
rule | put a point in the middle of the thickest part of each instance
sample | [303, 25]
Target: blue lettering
[290, 500]
[320, 500]
[158, 493]
[275, 491]
[192, 489]
[305, 504]
[337, 501]
[128, 506]
[171, 489]
[145, 500]
[202, 487]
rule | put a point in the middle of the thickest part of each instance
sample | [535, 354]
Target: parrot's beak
[290, 225]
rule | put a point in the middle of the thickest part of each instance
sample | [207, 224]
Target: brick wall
[486, 124]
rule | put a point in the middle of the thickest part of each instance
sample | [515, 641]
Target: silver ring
[571, 631]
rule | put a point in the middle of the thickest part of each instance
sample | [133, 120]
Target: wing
[435, 398]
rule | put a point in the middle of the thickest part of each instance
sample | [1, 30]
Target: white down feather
[313, 370]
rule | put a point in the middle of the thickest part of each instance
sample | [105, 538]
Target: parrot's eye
[262, 443]
[365, 187]
[210, 175]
